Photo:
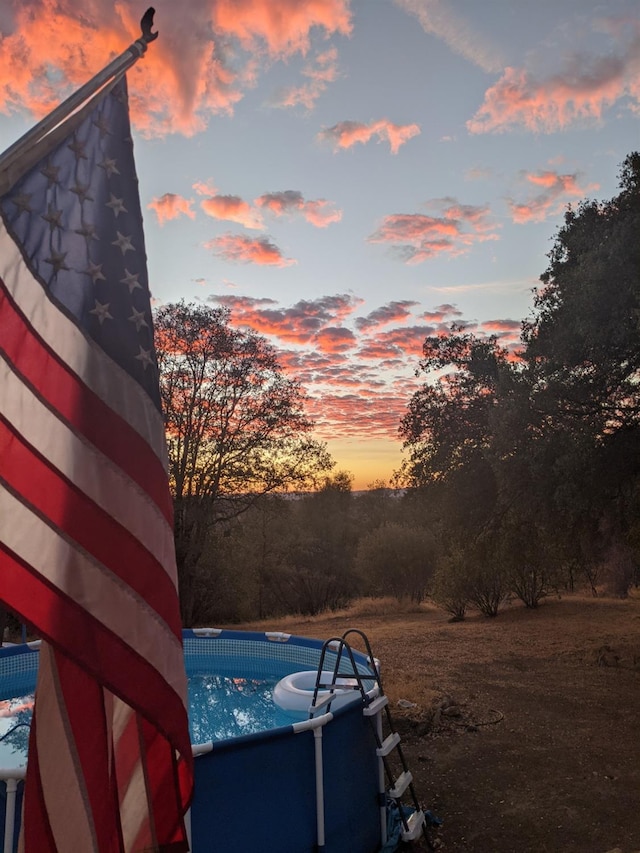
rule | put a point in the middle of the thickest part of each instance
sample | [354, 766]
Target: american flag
[86, 545]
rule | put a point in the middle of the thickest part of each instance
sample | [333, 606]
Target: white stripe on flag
[92, 472]
[92, 587]
[62, 779]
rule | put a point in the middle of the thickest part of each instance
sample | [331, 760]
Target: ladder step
[330, 695]
[402, 783]
[376, 706]
[415, 822]
[389, 743]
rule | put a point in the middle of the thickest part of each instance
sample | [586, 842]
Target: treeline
[522, 473]
[315, 552]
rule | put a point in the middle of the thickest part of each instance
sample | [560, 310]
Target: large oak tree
[546, 450]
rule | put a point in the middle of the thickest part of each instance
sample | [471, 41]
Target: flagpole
[117, 66]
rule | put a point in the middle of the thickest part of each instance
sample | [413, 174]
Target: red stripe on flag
[36, 831]
[159, 760]
[79, 406]
[68, 626]
[66, 507]
[85, 711]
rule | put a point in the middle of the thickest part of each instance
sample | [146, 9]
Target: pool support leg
[317, 742]
[10, 814]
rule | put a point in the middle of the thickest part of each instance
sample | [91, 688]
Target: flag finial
[146, 23]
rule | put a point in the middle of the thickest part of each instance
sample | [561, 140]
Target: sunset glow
[348, 177]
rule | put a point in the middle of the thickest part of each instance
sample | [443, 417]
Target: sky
[351, 177]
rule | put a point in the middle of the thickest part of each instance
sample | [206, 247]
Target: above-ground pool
[267, 778]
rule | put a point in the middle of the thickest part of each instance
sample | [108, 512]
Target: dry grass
[545, 754]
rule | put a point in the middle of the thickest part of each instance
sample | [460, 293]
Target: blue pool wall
[257, 793]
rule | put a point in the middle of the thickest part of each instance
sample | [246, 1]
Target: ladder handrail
[329, 645]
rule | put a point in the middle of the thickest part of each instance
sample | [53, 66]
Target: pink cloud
[282, 25]
[205, 188]
[357, 413]
[393, 312]
[417, 237]
[281, 203]
[308, 365]
[335, 340]
[356, 386]
[298, 324]
[319, 212]
[170, 206]
[395, 343]
[502, 327]
[321, 71]
[557, 191]
[232, 208]
[478, 173]
[407, 339]
[582, 90]
[441, 312]
[346, 134]
[246, 250]
[50, 49]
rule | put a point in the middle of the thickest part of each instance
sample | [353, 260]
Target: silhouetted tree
[236, 426]
[319, 565]
[539, 456]
[582, 349]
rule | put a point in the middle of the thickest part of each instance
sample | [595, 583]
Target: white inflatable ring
[294, 692]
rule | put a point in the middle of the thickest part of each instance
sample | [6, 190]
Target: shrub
[451, 587]
[397, 560]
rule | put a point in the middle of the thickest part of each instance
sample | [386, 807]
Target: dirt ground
[525, 734]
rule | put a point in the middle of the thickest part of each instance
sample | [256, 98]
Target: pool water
[15, 720]
[220, 707]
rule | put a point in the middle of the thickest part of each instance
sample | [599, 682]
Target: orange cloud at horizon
[357, 374]
[348, 414]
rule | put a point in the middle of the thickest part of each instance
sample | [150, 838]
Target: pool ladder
[374, 704]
